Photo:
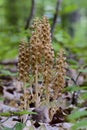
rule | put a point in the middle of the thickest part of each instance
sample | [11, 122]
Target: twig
[74, 81]
[80, 73]
[31, 15]
[58, 5]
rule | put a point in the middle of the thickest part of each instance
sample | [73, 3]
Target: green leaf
[71, 89]
[72, 62]
[84, 95]
[5, 114]
[6, 72]
[56, 46]
[80, 124]
[76, 114]
[70, 8]
[75, 88]
[19, 113]
[73, 66]
[66, 77]
[19, 126]
[1, 99]
[83, 70]
[25, 112]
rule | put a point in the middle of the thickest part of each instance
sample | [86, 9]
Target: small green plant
[78, 119]
[78, 116]
[15, 113]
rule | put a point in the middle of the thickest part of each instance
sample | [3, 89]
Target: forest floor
[53, 118]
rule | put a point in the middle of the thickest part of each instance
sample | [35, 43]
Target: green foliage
[77, 114]
[11, 16]
[19, 126]
[1, 98]
[84, 95]
[82, 124]
[13, 113]
[7, 73]
[12, 31]
[74, 88]
[79, 118]
[83, 70]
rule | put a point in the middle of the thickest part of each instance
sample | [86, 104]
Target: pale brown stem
[54, 78]
[47, 93]
[25, 100]
[36, 85]
[55, 94]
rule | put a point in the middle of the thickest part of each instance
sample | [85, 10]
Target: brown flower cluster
[48, 53]
[42, 54]
[59, 80]
[47, 50]
[41, 47]
[23, 62]
[36, 47]
[38, 57]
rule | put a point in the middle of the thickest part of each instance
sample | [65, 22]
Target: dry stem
[25, 102]
[36, 85]
[47, 93]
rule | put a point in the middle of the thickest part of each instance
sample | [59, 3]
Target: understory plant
[37, 60]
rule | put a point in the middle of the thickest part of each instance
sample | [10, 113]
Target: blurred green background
[70, 32]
